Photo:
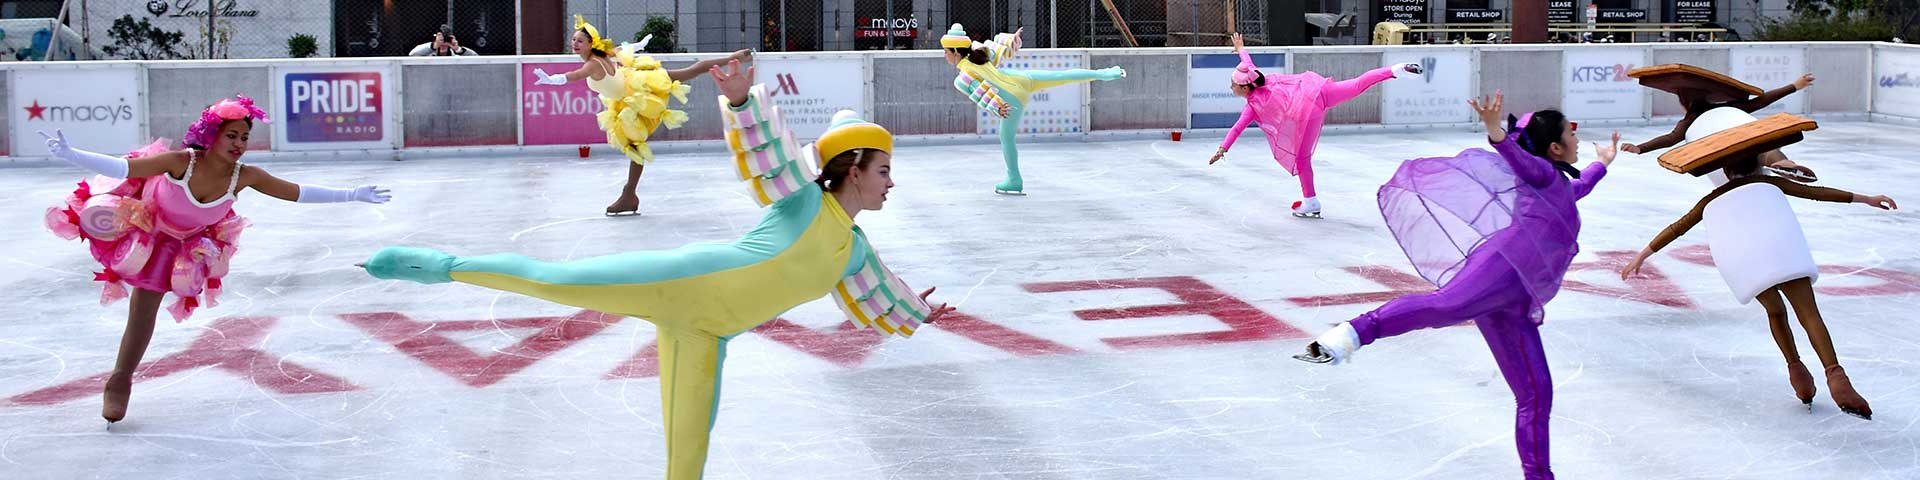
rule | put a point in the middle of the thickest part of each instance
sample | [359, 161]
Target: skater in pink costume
[162, 222]
[1291, 110]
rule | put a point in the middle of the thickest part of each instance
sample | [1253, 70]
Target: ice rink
[1132, 318]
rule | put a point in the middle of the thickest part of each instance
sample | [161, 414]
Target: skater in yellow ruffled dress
[635, 89]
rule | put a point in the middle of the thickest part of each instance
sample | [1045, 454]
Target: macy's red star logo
[35, 110]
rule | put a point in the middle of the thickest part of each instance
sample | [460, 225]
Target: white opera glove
[545, 79]
[103, 164]
[363, 193]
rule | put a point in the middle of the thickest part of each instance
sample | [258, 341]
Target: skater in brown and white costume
[1700, 90]
[1756, 241]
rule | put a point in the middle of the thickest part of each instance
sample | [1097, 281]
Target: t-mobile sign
[333, 107]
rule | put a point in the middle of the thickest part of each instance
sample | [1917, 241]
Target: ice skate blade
[1856, 414]
[629, 213]
[1315, 215]
[1311, 358]
[1010, 193]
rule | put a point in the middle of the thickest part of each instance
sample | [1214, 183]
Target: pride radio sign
[333, 109]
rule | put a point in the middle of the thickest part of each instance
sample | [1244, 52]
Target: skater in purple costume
[1495, 232]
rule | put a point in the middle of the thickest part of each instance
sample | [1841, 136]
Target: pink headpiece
[1245, 73]
[238, 107]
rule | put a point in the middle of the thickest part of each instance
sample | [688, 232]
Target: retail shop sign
[1769, 68]
[1054, 110]
[1210, 99]
[1476, 16]
[1896, 85]
[336, 108]
[1622, 15]
[1438, 95]
[95, 107]
[1597, 86]
[560, 114]
[808, 92]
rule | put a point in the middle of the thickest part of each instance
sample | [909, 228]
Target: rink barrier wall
[479, 105]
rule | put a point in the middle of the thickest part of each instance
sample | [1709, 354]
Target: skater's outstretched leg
[1515, 342]
[1799, 292]
[1797, 375]
[1009, 129]
[1335, 93]
[1045, 79]
[1486, 283]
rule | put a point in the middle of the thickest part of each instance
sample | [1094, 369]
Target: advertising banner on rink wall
[1595, 85]
[1054, 110]
[563, 114]
[1896, 81]
[809, 91]
[99, 109]
[1210, 100]
[333, 108]
[1770, 68]
[1438, 95]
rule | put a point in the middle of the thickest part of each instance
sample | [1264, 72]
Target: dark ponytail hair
[596, 52]
[834, 173]
[1542, 131]
[978, 56]
[1259, 79]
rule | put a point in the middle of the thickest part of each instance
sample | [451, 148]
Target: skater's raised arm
[1004, 46]
[1765, 99]
[872, 296]
[765, 154]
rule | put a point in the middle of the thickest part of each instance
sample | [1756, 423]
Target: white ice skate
[1309, 208]
[1336, 346]
[1411, 68]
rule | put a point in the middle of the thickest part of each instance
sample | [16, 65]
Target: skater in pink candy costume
[1291, 110]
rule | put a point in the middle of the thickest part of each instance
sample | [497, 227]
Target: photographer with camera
[444, 44]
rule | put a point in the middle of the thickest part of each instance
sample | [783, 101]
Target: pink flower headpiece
[238, 107]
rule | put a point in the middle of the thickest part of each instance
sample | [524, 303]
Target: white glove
[1413, 68]
[108, 165]
[363, 193]
[545, 79]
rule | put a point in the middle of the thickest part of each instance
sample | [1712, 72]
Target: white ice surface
[1643, 390]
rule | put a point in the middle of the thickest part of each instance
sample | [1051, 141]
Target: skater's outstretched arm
[587, 70]
[1765, 99]
[134, 165]
[1825, 194]
[260, 181]
[982, 94]
[1663, 141]
[1598, 169]
[1233, 134]
[873, 296]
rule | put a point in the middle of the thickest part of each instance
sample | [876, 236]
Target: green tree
[139, 40]
[665, 40]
